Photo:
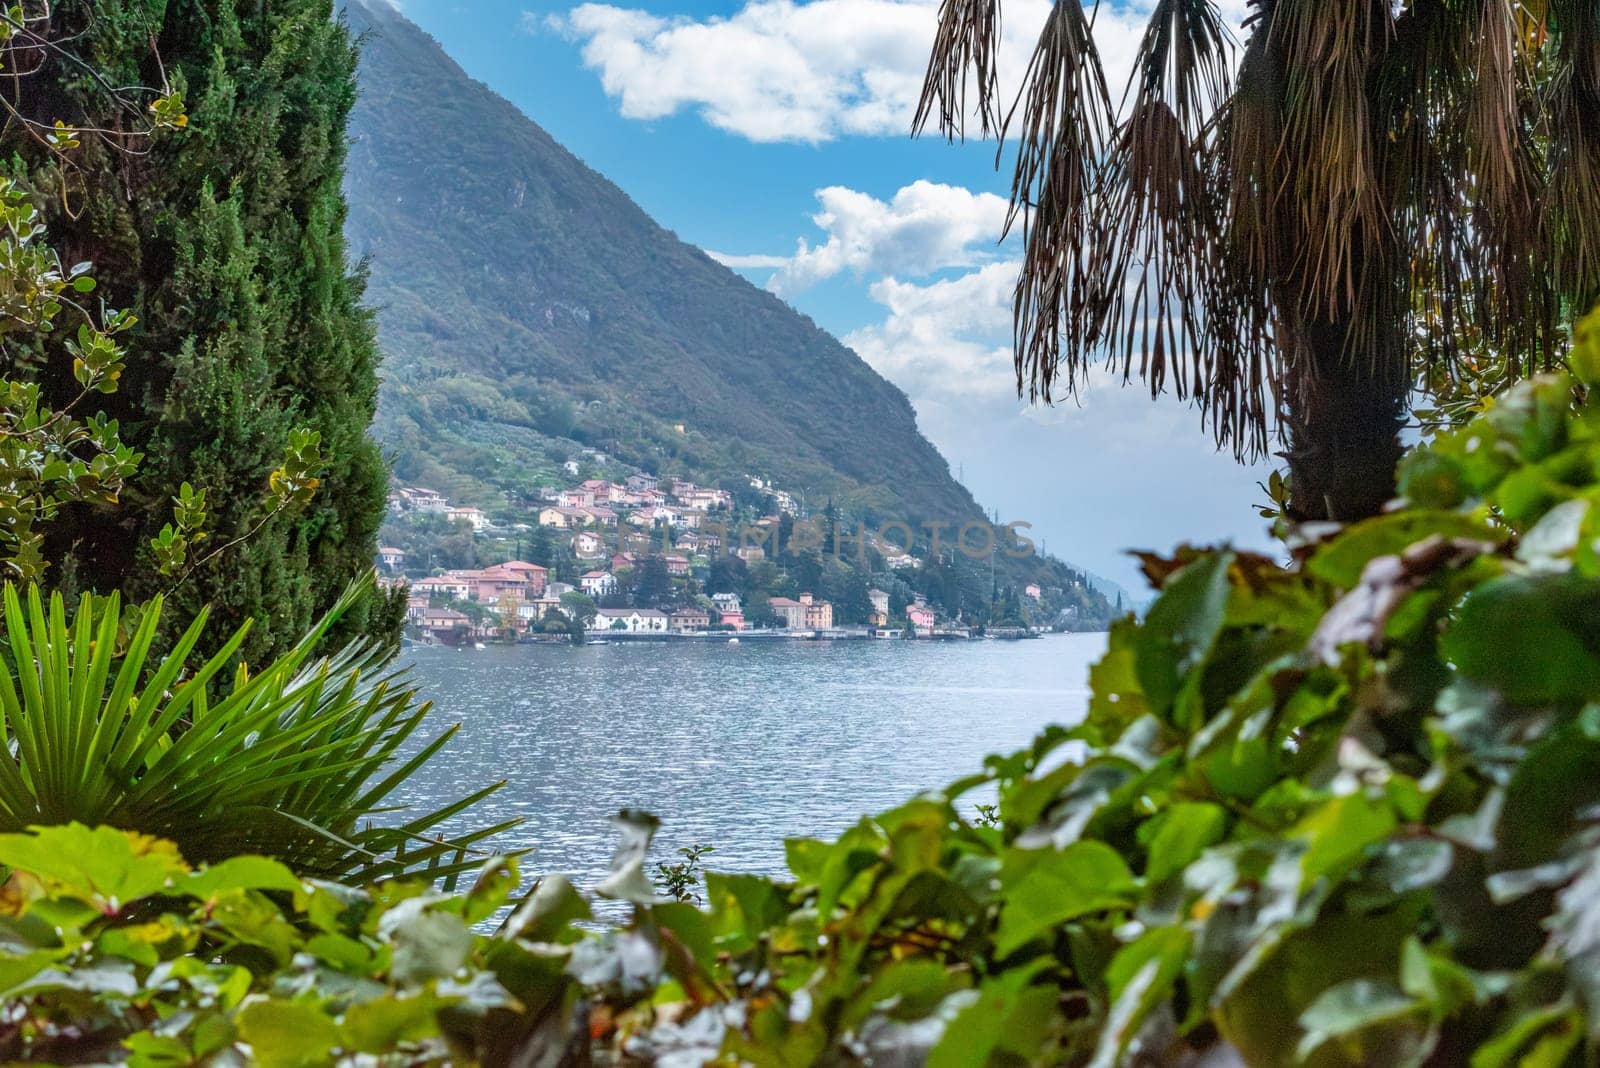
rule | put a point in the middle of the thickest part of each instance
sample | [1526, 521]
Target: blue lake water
[736, 746]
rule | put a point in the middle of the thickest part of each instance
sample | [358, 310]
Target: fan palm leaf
[1288, 232]
[297, 761]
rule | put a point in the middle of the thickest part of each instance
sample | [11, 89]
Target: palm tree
[1377, 188]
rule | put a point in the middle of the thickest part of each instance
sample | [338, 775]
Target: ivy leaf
[288, 1034]
[1533, 638]
[1349, 1007]
[1180, 834]
[379, 1025]
[105, 866]
[1341, 560]
[240, 873]
[1179, 632]
[1047, 887]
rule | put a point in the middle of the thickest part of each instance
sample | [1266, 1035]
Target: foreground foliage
[1336, 813]
[294, 760]
[1339, 813]
[112, 949]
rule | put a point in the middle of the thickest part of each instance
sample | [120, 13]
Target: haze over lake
[737, 747]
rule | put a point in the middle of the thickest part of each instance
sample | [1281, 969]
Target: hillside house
[690, 619]
[416, 608]
[535, 610]
[880, 607]
[642, 481]
[920, 616]
[392, 559]
[602, 515]
[1032, 590]
[587, 545]
[623, 561]
[695, 541]
[598, 584]
[650, 515]
[533, 575]
[805, 614]
[444, 588]
[577, 497]
[631, 620]
[564, 518]
[604, 492]
[493, 583]
[445, 625]
[706, 499]
[418, 499]
[473, 517]
[570, 468]
[676, 565]
[556, 589]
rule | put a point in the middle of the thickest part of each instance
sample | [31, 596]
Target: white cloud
[778, 70]
[774, 71]
[753, 261]
[924, 228]
[945, 340]
[948, 344]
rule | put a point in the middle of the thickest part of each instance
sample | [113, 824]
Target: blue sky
[750, 127]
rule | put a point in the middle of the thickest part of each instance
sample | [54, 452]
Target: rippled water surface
[734, 746]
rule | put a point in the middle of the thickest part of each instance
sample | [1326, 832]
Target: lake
[737, 747]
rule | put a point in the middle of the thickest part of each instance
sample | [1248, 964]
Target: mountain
[512, 282]
[528, 309]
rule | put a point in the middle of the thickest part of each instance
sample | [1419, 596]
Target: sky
[774, 134]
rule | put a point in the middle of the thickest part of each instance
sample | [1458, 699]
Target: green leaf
[288, 1034]
[427, 944]
[1349, 1007]
[1005, 1024]
[1176, 836]
[1138, 978]
[548, 913]
[379, 1025]
[240, 873]
[1342, 560]
[1045, 888]
[1534, 638]
[1180, 630]
[1339, 833]
[109, 867]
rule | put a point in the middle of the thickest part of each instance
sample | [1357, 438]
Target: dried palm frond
[1061, 124]
[968, 37]
[1381, 186]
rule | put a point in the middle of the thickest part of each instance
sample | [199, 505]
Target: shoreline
[742, 637]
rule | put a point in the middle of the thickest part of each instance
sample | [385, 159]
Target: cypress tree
[226, 240]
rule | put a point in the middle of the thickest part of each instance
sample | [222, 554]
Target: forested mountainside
[518, 291]
[528, 308]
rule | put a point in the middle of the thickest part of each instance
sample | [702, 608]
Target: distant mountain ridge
[526, 307]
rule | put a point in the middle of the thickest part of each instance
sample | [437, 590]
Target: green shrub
[113, 950]
[292, 761]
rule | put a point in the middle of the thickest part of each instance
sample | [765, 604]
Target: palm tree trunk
[1344, 414]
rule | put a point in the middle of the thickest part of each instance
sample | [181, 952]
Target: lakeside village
[648, 559]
